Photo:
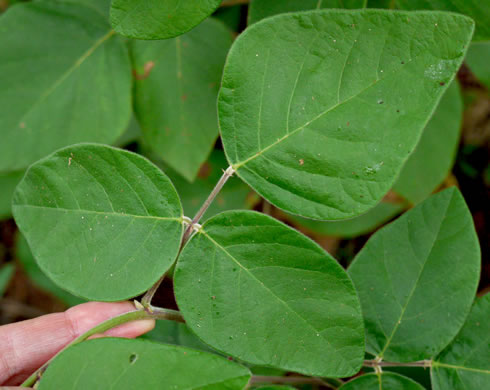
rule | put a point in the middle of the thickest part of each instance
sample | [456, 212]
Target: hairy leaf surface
[159, 19]
[319, 110]
[122, 364]
[254, 288]
[65, 78]
[175, 94]
[417, 278]
[465, 363]
[102, 223]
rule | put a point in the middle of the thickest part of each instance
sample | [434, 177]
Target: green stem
[156, 313]
[420, 363]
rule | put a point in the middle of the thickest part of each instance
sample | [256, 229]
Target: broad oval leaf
[122, 364]
[478, 58]
[386, 380]
[254, 288]
[82, 95]
[260, 9]
[326, 136]
[102, 223]
[159, 19]
[465, 363]
[434, 154]
[175, 94]
[417, 278]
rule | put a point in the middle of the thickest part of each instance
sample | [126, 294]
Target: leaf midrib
[104, 213]
[274, 295]
[436, 363]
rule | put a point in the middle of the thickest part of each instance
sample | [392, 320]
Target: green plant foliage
[159, 19]
[254, 288]
[326, 136]
[366, 223]
[8, 182]
[478, 10]
[131, 134]
[175, 333]
[6, 273]
[235, 195]
[140, 364]
[434, 155]
[272, 387]
[36, 275]
[261, 9]
[81, 95]
[102, 223]
[417, 278]
[102, 6]
[176, 91]
[465, 363]
[386, 380]
[478, 59]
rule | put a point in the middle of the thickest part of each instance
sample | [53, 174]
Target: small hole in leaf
[132, 358]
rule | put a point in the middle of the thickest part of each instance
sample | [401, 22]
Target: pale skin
[27, 345]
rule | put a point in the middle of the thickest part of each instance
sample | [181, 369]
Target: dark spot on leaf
[184, 98]
[403, 62]
[442, 83]
[204, 171]
[132, 358]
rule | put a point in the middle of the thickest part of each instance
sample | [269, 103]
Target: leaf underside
[326, 136]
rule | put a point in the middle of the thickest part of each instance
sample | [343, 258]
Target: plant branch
[156, 313]
[298, 380]
[375, 363]
[146, 300]
[226, 175]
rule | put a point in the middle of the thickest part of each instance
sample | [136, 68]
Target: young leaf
[6, 273]
[417, 278]
[478, 10]
[159, 19]
[65, 78]
[434, 155]
[465, 363]
[8, 182]
[110, 363]
[175, 94]
[377, 216]
[102, 223]
[478, 58]
[234, 195]
[260, 9]
[385, 380]
[326, 136]
[254, 288]
[37, 277]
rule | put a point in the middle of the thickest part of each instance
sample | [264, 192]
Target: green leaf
[326, 136]
[478, 10]
[175, 333]
[349, 228]
[121, 364]
[102, 223]
[131, 134]
[260, 9]
[234, 195]
[102, 6]
[434, 155]
[417, 278]
[159, 19]
[24, 255]
[388, 381]
[8, 182]
[231, 16]
[478, 58]
[82, 95]
[465, 363]
[176, 91]
[252, 287]
[6, 273]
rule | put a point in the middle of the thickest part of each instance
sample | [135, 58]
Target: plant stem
[156, 313]
[226, 175]
[298, 380]
[146, 300]
[374, 363]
